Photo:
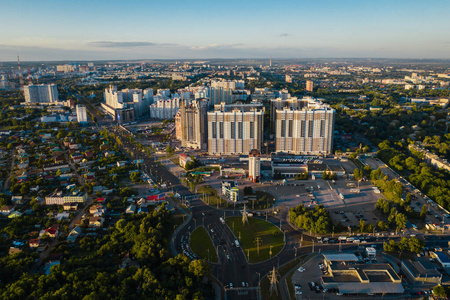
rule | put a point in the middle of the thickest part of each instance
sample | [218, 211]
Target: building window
[310, 128]
[290, 127]
[283, 128]
[214, 130]
[233, 130]
[302, 128]
[239, 130]
[252, 130]
[221, 130]
[322, 128]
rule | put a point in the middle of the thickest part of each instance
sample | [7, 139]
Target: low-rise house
[96, 222]
[6, 210]
[17, 199]
[73, 235]
[130, 209]
[97, 210]
[14, 250]
[34, 243]
[71, 206]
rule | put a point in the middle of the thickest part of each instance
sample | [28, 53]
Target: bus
[222, 220]
[237, 243]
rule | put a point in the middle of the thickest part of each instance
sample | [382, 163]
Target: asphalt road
[236, 270]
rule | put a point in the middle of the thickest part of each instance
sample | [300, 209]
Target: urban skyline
[179, 30]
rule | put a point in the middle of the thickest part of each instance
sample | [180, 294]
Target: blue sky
[98, 29]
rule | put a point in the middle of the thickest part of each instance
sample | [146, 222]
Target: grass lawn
[270, 236]
[200, 243]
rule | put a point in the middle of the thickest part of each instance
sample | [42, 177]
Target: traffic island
[260, 240]
[202, 245]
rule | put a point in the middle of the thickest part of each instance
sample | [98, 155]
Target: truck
[236, 242]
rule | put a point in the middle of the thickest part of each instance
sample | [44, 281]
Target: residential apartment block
[193, 124]
[235, 129]
[305, 130]
[42, 93]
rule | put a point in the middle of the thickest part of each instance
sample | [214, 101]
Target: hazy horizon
[146, 30]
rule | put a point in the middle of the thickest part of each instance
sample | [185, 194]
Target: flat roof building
[234, 130]
[306, 128]
[353, 278]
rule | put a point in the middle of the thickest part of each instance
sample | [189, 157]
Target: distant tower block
[309, 86]
[244, 215]
[254, 165]
[270, 62]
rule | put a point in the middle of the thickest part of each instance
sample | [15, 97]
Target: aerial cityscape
[233, 150]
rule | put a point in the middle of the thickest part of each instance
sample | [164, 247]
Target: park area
[202, 245]
[256, 234]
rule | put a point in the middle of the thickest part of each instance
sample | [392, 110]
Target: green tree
[358, 175]
[400, 221]
[424, 212]
[440, 291]
[415, 245]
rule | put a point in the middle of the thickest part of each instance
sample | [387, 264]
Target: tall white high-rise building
[193, 124]
[81, 114]
[235, 131]
[42, 93]
[305, 130]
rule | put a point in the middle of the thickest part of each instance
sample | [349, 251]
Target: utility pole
[244, 215]
[258, 242]
[273, 277]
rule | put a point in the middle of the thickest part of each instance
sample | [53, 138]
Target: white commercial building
[41, 93]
